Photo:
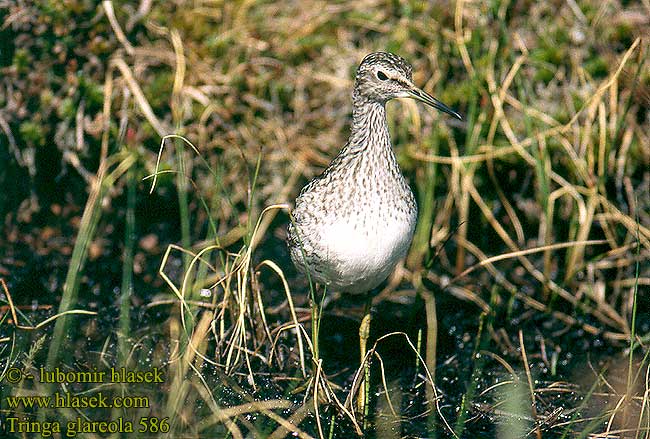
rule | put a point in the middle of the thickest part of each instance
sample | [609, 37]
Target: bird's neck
[369, 131]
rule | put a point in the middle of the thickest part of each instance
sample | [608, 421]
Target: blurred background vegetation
[554, 150]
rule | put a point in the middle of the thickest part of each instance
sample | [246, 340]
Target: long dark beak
[425, 97]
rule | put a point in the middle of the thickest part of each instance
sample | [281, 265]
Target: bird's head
[383, 76]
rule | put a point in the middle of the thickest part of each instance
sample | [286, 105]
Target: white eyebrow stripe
[395, 76]
[391, 75]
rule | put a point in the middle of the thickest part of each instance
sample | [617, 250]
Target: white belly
[359, 258]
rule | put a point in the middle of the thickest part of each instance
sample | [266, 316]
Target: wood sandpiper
[352, 224]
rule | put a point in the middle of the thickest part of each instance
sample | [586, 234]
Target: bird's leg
[364, 333]
[316, 309]
[315, 317]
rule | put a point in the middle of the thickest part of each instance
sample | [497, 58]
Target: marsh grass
[532, 243]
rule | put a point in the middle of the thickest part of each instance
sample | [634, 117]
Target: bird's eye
[382, 76]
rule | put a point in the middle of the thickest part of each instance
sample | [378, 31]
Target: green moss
[622, 35]
[456, 92]
[46, 98]
[549, 54]
[67, 109]
[311, 42]
[94, 94]
[99, 46]
[597, 67]
[32, 133]
[561, 37]
[148, 132]
[562, 115]
[22, 60]
[590, 10]
[483, 62]
[578, 101]
[394, 46]
[544, 74]
[91, 91]
[400, 35]
[159, 90]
